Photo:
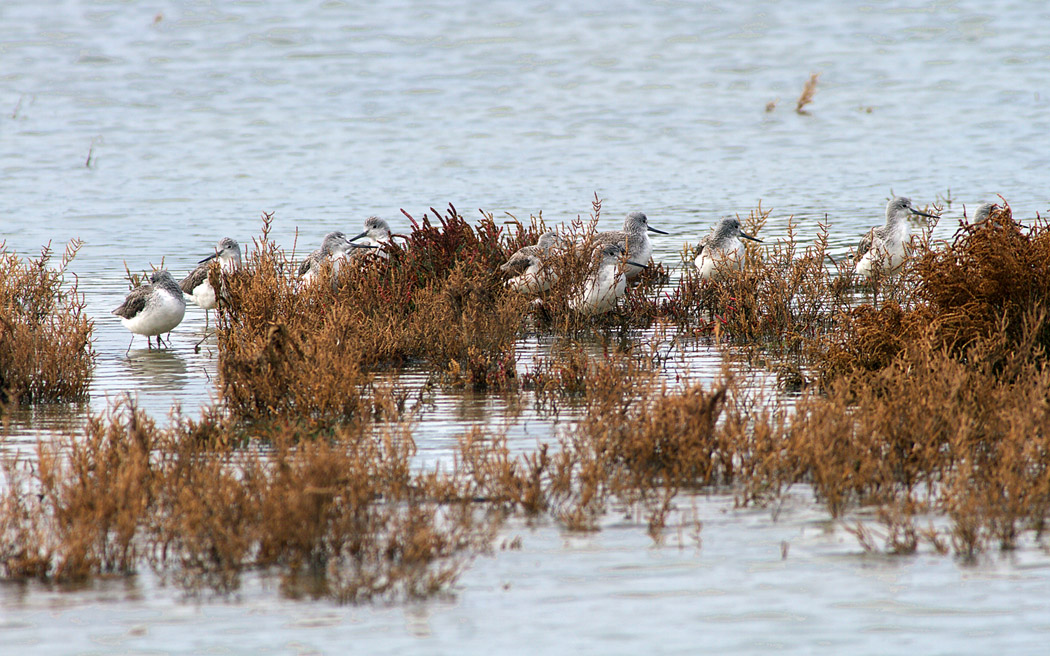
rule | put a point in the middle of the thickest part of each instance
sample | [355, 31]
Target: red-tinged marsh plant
[438, 297]
[288, 349]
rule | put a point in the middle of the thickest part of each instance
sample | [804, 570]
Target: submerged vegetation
[922, 399]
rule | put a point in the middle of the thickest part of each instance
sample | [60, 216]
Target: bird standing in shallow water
[634, 240]
[153, 308]
[602, 289]
[722, 246]
[527, 266]
[883, 248]
[197, 285]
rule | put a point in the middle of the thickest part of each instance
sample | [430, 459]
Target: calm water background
[201, 115]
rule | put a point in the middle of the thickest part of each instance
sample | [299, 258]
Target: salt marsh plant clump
[984, 295]
[438, 298]
[345, 518]
[313, 351]
[45, 335]
[933, 404]
[941, 403]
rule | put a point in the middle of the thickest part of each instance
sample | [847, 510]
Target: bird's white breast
[710, 258]
[162, 313]
[600, 292]
[204, 295]
[886, 254]
[535, 280]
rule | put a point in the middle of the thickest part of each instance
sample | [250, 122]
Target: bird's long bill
[929, 216]
[747, 236]
[652, 229]
[363, 245]
[210, 257]
[644, 266]
[359, 236]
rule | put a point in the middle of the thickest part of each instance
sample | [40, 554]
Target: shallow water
[198, 116]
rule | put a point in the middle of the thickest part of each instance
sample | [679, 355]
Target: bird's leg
[205, 322]
[197, 346]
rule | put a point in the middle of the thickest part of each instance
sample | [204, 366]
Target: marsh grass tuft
[45, 335]
[291, 351]
[984, 295]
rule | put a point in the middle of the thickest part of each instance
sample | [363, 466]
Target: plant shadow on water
[927, 400]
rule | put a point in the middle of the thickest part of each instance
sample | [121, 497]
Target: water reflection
[157, 369]
[23, 425]
[35, 595]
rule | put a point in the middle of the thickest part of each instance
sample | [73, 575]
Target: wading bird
[526, 265]
[722, 246]
[197, 286]
[153, 308]
[603, 288]
[883, 248]
[634, 240]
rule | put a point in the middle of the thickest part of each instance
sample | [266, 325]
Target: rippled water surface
[199, 116]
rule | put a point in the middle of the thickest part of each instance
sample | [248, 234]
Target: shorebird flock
[618, 257]
[157, 307]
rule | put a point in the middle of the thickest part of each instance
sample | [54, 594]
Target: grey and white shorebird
[983, 211]
[376, 235]
[197, 286]
[722, 246]
[333, 249]
[530, 273]
[153, 308]
[603, 288]
[633, 239]
[883, 248]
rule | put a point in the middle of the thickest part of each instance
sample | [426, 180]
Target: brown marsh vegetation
[45, 335]
[929, 411]
[311, 353]
[345, 517]
[439, 300]
[784, 296]
[808, 91]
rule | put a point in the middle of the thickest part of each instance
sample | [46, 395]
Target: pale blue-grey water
[199, 116]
